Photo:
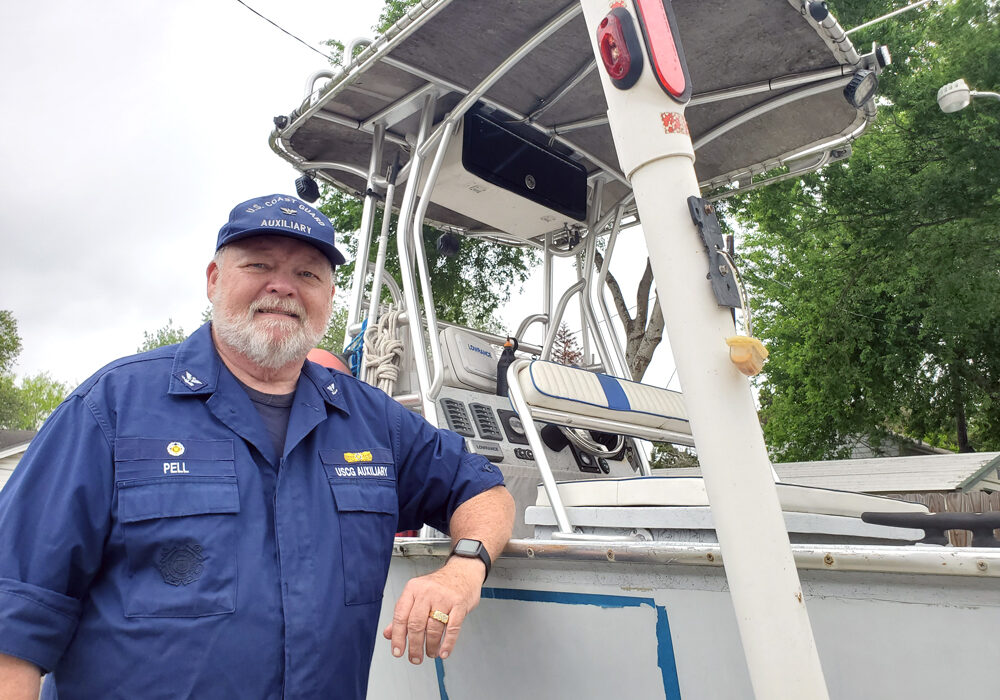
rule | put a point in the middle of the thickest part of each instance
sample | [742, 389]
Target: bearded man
[215, 519]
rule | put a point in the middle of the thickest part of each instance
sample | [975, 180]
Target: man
[215, 519]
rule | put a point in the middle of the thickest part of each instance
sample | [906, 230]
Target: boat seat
[690, 491]
[580, 398]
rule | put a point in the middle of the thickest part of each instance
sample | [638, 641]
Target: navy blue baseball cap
[281, 215]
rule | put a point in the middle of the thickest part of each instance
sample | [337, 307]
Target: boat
[553, 125]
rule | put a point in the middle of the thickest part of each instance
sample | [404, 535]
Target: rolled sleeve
[37, 623]
[435, 473]
[54, 519]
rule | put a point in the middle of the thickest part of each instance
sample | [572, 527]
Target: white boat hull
[559, 628]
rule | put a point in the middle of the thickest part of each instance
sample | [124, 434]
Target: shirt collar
[197, 365]
[326, 382]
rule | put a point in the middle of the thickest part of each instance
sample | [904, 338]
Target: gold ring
[440, 617]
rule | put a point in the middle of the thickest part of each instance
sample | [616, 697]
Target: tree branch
[616, 294]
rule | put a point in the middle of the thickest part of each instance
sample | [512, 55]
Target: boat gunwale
[973, 562]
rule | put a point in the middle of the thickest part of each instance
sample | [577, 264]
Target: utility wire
[307, 45]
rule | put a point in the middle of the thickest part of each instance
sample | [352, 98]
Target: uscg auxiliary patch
[353, 457]
[175, 449]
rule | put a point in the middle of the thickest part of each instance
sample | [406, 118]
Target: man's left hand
[454, 590]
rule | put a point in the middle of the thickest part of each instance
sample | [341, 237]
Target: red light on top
[620, 50]
[659, 29]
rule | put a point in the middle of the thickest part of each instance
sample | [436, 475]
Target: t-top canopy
[768, 89]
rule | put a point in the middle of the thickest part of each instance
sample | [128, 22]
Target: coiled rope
[382, 350]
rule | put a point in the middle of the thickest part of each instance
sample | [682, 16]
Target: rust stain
[674, 123]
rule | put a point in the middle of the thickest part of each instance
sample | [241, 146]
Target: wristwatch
[473, 549]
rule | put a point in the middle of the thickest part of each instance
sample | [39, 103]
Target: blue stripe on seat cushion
[617, 400]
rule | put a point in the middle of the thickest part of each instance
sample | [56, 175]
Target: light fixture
[861, 88]
[621, 52]
[957, 95]
[307, 189]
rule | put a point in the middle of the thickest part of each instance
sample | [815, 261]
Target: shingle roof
[886, 474]
[10, 438]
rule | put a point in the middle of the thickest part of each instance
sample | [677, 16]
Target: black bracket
[935, 525]
[719, 273]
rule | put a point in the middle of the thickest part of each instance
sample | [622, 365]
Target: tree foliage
[667, 456]
[167, 334]
[24, 405]
[876, 282]
[39, 395]
[565, 349]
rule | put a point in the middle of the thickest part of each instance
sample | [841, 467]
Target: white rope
[382, 352]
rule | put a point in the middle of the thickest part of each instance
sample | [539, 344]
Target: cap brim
[332, 254]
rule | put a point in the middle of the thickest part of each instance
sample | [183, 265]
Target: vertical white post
[656, 155]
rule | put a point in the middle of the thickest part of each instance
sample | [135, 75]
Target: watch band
[473, 549]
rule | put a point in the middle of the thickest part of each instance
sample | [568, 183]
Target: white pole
[656, 155]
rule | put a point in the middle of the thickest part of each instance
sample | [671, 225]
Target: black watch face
[467, 548]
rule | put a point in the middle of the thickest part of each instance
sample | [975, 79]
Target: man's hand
[453, 590]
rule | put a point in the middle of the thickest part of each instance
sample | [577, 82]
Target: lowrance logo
[480, 350]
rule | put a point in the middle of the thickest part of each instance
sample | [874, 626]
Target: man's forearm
[19, 679]
[488, 517]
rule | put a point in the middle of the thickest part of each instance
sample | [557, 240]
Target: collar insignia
[192, 381]
[332, 388]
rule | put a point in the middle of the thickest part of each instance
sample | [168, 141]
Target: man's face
[272, 297]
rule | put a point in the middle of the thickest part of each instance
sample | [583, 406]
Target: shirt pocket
[367, 510]
[177, 507]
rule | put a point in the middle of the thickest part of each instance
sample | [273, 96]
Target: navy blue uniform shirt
[153, 548]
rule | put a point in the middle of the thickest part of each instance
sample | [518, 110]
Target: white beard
[255, 338]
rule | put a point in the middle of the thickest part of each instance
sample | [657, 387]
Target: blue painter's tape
[617, 401]
[664, 644]
[665, 656]
[439, 667]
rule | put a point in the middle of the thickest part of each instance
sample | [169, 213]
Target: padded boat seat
[577, 391]
[690, 491]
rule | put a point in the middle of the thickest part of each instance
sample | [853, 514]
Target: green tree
[167, 334]
[875, 282]
[565, 349]
[10, 348]
[23, 406]
[39, 395]
[667, 456]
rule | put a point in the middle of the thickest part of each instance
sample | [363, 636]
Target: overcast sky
[131, 128]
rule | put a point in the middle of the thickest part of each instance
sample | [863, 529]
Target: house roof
[14, 441]
[951, 472]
